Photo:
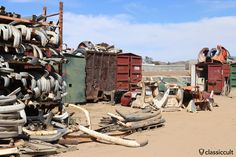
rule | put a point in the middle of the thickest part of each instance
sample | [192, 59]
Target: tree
[148, 60]
[156, 62]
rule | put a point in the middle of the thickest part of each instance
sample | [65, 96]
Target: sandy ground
[183, 135]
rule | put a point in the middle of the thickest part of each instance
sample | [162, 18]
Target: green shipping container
[74, 75]
[233, 75]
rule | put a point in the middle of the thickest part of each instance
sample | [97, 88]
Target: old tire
[8, 134]
[12, 108]
[19, 122]
[7, 128]
[15, 115]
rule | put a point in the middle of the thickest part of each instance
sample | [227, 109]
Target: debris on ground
[142, 119]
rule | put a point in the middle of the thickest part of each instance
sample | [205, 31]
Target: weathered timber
[138, 116]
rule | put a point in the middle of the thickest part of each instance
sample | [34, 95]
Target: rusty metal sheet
[215, 75]
[226, 70]
[218, 75]
[215, 79]
[100, 73]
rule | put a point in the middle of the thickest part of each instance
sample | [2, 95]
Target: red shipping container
[129, 71]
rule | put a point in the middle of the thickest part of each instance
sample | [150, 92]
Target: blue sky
[164, 30]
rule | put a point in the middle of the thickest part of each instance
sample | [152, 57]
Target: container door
[122, 75]
[74, 75]
[215, 78]
[100, 74]
[135, 71]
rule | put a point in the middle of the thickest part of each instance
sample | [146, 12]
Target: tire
[7, 128]
[7, 100]
[10, 116]
[8, 134]
[11, 108]
[24, 74]
[19, 122]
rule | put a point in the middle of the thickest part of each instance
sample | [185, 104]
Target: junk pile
[147, 117]
[89, 46]
[9, 14]
[199, 100]
[213, 70]
[143, 119]
[158, 94]
[220, 54]
[31, 89]
[33, 119]
[211, 75]
[12, 116]
[169, 97]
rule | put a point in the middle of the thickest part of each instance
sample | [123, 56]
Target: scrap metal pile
[30, 87]
[169, 97]
[219, 54]
[89, 46]
[143, 119]
[148, 115]
[168, 100]
[33, 117]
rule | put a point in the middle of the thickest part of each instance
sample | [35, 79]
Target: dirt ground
[183, 135]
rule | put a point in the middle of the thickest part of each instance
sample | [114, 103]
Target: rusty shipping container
[215, 76]
[100, 74]
[129, 71]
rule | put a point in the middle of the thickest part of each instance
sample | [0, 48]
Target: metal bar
[55, 14]
[26, 21]
[61, 23]
[60, 33]
[45, 13]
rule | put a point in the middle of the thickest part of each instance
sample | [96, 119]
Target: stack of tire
[12, 116]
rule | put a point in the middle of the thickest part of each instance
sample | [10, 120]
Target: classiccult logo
[203, 151]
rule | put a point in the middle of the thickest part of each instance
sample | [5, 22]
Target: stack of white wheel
[12, 116]
[21, 32]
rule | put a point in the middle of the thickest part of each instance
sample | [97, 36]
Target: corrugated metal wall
[100, 74]
[215, 76]
[129, 71]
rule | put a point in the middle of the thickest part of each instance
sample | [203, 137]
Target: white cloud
[166, 42]
[134, 7]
